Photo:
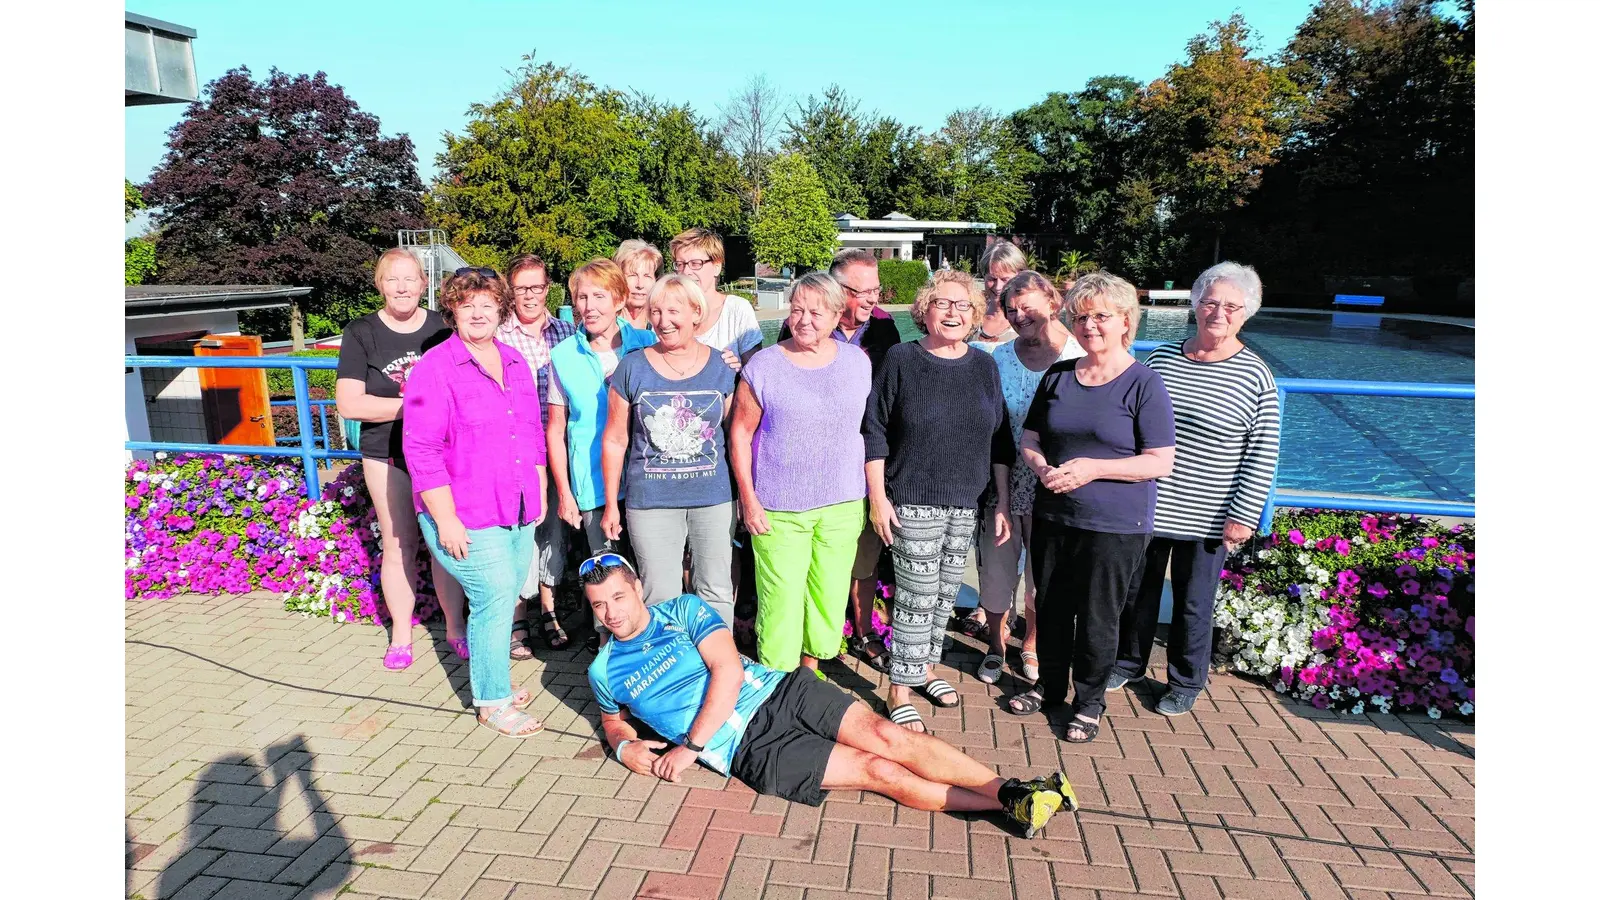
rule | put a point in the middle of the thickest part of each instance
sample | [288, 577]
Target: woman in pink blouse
[477, 457]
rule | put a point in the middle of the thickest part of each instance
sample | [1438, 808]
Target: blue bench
[1356, 300]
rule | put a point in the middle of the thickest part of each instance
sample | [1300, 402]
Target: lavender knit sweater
[808, 451]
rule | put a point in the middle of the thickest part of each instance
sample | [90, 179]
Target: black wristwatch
[692, 745]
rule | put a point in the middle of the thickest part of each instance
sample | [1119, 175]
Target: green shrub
[901, 278]
[556, 299]
[280, 384]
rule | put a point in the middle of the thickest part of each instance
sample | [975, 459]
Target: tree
[794, 227]
[979, 169]
[1083, 144]
[138, 254]
[282, 181]
[827, 132]
[564, 168]
[1216, 120]
[750, 126]
[1377, 175]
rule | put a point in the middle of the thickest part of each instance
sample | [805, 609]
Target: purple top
[1124, 417]
[463, 430]
[808, 451]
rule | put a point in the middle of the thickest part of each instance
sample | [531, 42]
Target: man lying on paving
[674, 666]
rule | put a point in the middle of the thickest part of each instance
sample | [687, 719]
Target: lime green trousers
[803, 582]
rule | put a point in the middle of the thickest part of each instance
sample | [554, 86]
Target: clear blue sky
[419, 65]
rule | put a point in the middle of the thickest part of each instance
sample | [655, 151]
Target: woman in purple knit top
[799, 459]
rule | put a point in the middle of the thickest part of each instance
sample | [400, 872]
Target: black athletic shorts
[787, 742]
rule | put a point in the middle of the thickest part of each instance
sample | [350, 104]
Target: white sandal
[511, 722]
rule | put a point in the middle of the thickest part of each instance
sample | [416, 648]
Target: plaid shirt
[535, 348]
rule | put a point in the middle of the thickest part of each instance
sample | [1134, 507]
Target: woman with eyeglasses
[730, 321]
[936, 432]
[665, 445]
[999, 264]
[641, 265]
[1225, 404]
[532, 331]
[1097, 435]
[376, 354]
[797, 452]
[1034, 310]
[478, 474]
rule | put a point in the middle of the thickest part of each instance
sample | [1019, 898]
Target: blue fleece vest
[579, 370]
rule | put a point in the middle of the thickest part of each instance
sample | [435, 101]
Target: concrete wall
[164, 404]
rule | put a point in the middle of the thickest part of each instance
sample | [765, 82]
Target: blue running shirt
[661, 678]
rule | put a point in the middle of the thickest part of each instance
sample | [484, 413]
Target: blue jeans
[496, 564]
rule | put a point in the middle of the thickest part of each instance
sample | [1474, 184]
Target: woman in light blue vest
[580, 373]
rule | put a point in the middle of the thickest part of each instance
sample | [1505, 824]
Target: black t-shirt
[381, 358]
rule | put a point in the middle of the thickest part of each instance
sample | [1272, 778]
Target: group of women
[655, 425]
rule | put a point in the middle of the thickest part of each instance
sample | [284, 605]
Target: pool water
[1393, 446]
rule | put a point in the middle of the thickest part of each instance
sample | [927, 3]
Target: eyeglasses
[690, 265]
[479, 270]
[960, 305]
[604, 561]
[1231, 309]
[529, 290]
[873, 294]
[1099, 318]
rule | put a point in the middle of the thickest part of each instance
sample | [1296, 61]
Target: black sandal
[938, 691]
[1026, 703]
[1088, 730]
[862, 651]
[554, 636]
[519, 645]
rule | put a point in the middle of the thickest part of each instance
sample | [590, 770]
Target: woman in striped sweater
[1225, 408]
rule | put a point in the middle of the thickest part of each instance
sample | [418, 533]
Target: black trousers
[1082, 579]
[1196, 571]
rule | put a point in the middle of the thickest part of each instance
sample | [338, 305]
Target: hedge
[901, 278]
[280, 383]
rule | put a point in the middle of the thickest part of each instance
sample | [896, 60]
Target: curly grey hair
[1243, 278]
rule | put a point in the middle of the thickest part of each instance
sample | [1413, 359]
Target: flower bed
[1355, 612]
[211, 524]
[1345, 611]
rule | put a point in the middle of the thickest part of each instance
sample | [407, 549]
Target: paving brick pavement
[270, 756]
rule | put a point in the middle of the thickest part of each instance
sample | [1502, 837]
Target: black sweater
[939, 425]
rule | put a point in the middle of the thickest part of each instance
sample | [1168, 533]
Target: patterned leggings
[930, 556]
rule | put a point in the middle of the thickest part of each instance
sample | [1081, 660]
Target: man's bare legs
[924, 770]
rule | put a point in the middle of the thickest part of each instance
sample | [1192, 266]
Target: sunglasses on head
[603, 561]
[479, 270]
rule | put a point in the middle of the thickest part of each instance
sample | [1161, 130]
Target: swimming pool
[1392, 446]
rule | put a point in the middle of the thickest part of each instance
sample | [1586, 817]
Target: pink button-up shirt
[463, 430]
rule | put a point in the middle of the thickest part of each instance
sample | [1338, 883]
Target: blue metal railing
[322, 415]
[306, 447]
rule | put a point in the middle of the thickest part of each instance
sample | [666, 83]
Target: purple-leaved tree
[282, 181]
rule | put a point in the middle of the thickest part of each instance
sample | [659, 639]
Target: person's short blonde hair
[1103, 288]
[817, 283]
[924, 301]
[703, 239]
[636, 252]
[389, 258]
[603, 273]
[684, 288]
[1003, 254]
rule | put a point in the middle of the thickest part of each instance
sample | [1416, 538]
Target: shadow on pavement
[264, 824]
